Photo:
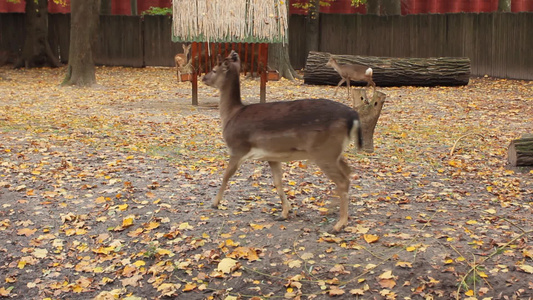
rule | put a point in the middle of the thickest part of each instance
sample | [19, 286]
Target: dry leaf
[404, 264]
[26, 231]
[525, 268]
[371, 238]
[168, 289]
[295, 263]
[387, 283]
[227, 265]
[40, 253]
[335, 291]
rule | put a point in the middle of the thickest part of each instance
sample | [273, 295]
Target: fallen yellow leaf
[370, 238]
[526, 268]
[26, 231]
[227, 265]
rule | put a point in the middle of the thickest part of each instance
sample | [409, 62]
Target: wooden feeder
[217, 27]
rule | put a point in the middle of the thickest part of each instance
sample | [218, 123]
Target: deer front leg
[340, 82]
[277, 175]
[233, 165]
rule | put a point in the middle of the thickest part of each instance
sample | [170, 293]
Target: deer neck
[336, 66]
[230, 99]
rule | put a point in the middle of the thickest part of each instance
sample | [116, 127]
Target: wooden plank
[59, 35]
[12, 32]
[159, 50]
[114, 47]
[297, 31]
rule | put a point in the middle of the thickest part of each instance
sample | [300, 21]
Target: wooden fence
[498, 44]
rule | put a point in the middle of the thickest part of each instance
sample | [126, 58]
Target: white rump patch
[353, 134]
[369, 72]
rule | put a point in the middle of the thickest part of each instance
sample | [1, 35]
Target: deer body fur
[314, 129]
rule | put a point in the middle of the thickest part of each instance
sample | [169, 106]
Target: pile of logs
[388, 71]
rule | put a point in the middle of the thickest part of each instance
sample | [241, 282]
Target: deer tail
[356, 133]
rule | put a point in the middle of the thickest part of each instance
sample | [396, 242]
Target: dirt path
[105, 193]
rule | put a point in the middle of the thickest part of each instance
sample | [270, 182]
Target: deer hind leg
[233, 165]
[340, 82]
[347, 170]
[336, 171]
[277, 175]
[371, 83]
[348, 87]
[178, 74]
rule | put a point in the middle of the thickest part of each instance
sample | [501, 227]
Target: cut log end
[520, 151]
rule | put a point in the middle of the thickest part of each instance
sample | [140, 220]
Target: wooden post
[245, 57]
[206, 66]
[252, 60]
[263, 68]
[194, 79]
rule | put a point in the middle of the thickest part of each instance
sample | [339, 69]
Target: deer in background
[350, 72]
[182, 62]
[314, 129]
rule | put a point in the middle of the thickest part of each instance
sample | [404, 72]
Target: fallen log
[520, 152]
[389, 71]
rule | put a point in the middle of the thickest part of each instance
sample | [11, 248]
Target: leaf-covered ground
[105, 193]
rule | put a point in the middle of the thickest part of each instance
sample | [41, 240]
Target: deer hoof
[337, 228]
[280, 218]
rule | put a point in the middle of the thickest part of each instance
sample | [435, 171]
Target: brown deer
[316, 129]
[181, 61]
[353, 72]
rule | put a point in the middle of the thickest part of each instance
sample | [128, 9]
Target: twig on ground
[462, 137]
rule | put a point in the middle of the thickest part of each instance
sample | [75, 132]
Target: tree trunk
[313, 19]
[504, 5]
[391, 7]
[440, 71]
[83, 28]
[373, 7]
[278, 58]
[36, 51]
[105, 7]
[520, 152]
[133, 4]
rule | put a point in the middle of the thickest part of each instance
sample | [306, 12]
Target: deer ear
[226, 63]
[234, 56]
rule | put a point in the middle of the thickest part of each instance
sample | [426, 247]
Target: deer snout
[205, 79]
